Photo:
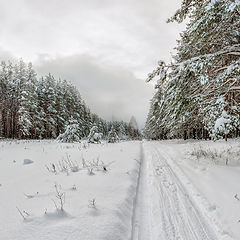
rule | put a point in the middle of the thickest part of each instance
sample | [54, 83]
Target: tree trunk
[185, 135]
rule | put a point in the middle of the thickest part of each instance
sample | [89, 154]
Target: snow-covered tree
[219, 120]
[42, 108]
[122, 133]
[72, 133]
[205, 69]
[112, 136]
[94, 136]
[133, 131]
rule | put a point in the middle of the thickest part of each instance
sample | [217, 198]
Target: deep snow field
[185, 190]
[98, 205]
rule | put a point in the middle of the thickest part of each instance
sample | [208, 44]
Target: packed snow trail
[141, 217]
[164, 210]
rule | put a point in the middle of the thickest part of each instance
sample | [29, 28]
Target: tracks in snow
[141, 222]
[164, 210]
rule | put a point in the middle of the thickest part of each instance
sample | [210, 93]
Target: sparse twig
[60, 196]
[21, 213]
[236, 196]
[92, 203]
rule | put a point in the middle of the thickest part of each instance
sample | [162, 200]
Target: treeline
[198, 94]
[32, 108]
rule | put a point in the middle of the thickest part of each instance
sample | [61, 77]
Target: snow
[134, 190]
[31, 189]
[211, 184]
[173, 214]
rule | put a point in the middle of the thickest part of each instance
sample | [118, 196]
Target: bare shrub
[60, 198]
[24, 214]
[92, 203]
[217, 155]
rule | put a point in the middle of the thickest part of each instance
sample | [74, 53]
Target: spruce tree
[112, 136]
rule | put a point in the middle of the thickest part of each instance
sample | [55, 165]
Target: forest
[198, 94]
[43, 108]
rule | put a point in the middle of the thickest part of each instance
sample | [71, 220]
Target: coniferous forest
[198, 93]
[32, 108]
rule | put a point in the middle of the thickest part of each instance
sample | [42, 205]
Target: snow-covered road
[164, 208]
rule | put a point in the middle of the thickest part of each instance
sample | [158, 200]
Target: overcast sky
[104, 47]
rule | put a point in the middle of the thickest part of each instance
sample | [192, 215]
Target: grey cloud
[109, 91]
[131, 33]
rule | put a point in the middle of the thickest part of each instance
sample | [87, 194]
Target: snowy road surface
[164, 208]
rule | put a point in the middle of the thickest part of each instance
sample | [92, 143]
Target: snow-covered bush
[112, 136]
[72, 133]
[94, 135]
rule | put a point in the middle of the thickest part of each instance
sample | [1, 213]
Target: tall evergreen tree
[203, 81]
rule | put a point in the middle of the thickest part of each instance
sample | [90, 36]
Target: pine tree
[133, 131]
[112, 136]
[205, 69]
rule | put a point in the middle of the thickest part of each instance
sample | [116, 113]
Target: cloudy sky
[104, 47]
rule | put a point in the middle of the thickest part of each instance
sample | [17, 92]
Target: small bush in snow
[51, 168]
[65, 165]
[90, 170]
[92, 203]
[60, 197]
[95, 165]
[218, 156]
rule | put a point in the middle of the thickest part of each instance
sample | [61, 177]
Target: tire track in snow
[141, 221]
[164, 210]
[183, 219]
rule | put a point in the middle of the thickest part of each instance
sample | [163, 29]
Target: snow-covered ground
[30, 188]
[168, 190]
[193, 194]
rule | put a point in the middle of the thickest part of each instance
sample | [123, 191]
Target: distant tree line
[198, 94]
[32, 108]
